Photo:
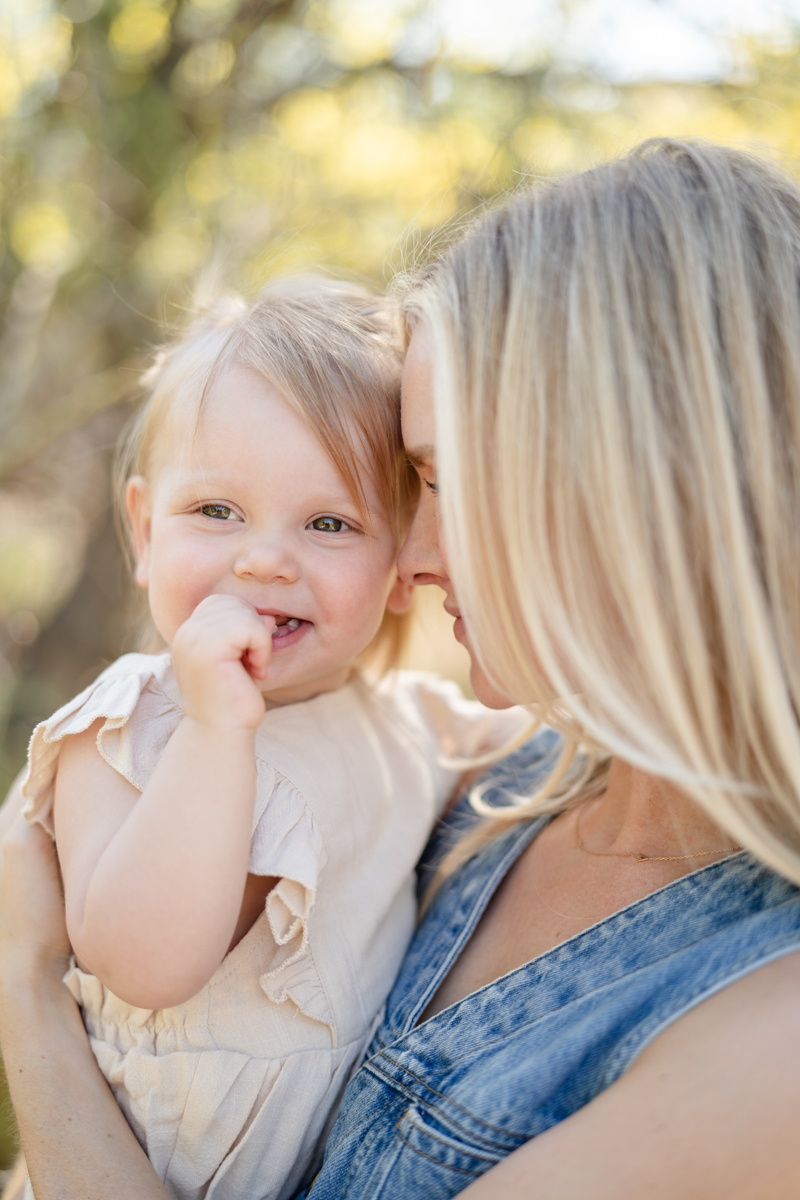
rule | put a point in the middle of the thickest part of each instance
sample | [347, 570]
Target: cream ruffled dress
[230, 1093]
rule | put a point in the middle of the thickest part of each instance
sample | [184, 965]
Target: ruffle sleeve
[286, 842]
[139, 704]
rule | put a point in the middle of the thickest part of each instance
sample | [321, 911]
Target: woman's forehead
[419, 422]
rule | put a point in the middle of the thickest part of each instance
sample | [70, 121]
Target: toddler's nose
[268, 562]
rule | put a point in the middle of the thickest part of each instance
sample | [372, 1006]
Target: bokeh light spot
[139, 34]
[173, 253]
[10, 85]
[309, 120]
[209, 177]
[204, 67]
[41, 237]
[545, 144]
[23, 627]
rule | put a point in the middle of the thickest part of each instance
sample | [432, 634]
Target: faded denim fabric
[434, 1106]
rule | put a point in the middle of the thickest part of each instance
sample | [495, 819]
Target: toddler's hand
[217, 655]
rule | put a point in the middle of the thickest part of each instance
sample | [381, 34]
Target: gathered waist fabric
[436, 1105]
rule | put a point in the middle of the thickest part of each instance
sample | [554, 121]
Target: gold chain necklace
[640, 858]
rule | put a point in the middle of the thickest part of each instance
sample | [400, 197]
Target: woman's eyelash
[431, 486]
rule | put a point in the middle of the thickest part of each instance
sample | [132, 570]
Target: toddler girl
[238, 820]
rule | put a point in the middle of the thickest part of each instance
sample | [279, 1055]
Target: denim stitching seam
[429, 1157]
[451, 1144]
[478, 1120]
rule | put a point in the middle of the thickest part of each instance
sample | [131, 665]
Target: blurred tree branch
[28, 306]
[31, 433]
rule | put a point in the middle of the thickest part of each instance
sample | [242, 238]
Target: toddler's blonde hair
[617, 388]
[334, 352]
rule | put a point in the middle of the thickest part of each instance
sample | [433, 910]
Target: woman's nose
[268, 561]
[420, 560]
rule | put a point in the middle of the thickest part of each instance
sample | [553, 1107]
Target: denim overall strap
[735, 911]
[461, 900]
[459, 906]
[436, 1105]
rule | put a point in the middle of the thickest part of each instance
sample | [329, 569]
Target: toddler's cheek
[361, 620]
[173, 600]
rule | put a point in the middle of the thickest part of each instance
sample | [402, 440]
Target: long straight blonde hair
[617, 388]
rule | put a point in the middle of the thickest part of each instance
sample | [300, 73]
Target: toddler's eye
[220, 512]
[329, 524]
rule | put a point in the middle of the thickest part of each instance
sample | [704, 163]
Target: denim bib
[435, 1105]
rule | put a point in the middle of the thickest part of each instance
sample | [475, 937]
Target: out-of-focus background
[139, 139]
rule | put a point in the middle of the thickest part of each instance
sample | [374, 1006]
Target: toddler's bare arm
[154, 882]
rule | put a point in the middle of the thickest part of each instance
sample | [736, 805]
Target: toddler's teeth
[281, 631]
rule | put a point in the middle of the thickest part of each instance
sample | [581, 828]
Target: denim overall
[435, 1105]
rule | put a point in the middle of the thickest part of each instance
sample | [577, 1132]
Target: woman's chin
[485, 690]
[482, 686]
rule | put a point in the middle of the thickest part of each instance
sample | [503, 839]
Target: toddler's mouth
[288, 630]
[284, 626]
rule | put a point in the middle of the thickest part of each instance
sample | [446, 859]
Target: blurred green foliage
[142, 140]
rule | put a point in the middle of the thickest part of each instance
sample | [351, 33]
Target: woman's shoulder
[724, 1074]
[757, 1003]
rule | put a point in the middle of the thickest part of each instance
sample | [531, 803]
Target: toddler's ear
[400, 597]
[140, 516]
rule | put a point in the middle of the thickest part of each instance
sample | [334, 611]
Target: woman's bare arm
[76, 1141]
[708, 1112]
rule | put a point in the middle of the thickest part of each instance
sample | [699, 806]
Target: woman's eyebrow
[420, 456]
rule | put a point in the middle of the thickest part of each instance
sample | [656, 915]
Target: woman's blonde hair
[334, 352]
[617, 386]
